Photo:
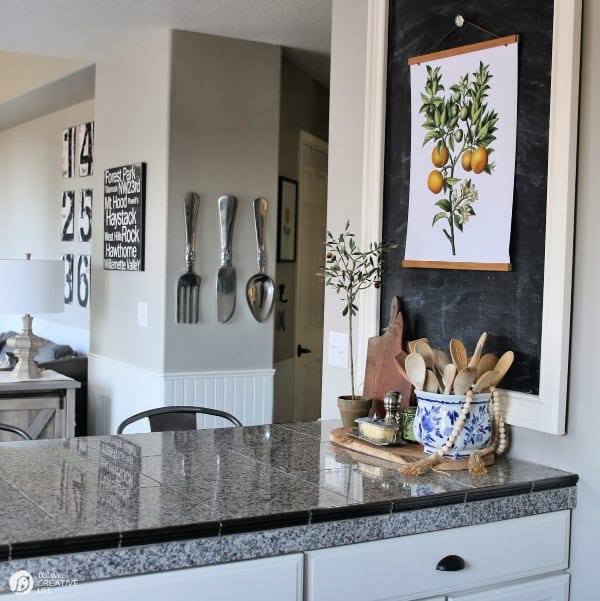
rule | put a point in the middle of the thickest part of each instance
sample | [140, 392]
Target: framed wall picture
[68, 260]
[124, 214]
[286, 232]
[68, 152]
[85, 214]
[85, 149]
[83, 280]
[67, 216]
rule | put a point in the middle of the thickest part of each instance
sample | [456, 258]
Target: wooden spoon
[399, 363]
[486, 363]
[464, 379]
[440, 359]
[484, 381]
[503, 366]
[449, 375]
[412, 343]
[416, 370]
[431, 381]
[478, 348]
[458, 354]
[425, 351]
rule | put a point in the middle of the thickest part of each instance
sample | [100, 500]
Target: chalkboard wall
[443, 304]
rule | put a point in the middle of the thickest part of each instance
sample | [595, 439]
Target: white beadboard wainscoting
[117, 390]
[247, 394]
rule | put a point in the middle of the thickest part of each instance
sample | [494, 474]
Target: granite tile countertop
[114, 505]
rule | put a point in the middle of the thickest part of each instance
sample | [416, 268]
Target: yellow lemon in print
[435, 182]
[465, 160]
[439, 158]
[479, 160]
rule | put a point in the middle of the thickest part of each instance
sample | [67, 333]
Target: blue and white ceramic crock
[436, 417]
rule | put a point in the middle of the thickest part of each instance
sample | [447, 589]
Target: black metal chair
[177, 417]
[15, 430]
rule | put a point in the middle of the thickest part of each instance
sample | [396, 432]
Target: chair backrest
[15, 430]
[177, 417]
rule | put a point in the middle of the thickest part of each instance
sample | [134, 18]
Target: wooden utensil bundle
[431, 369]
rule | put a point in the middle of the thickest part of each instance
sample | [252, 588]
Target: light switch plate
[338, 354]
[142, 315]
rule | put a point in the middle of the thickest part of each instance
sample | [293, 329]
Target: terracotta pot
[350, 409]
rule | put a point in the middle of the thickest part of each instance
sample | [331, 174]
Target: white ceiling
[83, 28]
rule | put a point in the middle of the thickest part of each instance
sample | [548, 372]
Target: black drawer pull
[451, 563]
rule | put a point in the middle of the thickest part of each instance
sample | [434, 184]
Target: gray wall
[30, 204]
[577, 450]
[132, 125]
[224, 131]
[304, 106]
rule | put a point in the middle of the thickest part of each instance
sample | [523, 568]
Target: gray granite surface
[109, 506]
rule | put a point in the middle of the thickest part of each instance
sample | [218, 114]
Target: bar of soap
[378, 431]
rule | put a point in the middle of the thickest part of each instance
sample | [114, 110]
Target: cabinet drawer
[549, 588]
[271, 579]
[404, 568]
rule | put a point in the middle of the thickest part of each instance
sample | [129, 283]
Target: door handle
[300, 350]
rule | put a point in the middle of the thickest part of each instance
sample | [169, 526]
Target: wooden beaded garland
[499, 426]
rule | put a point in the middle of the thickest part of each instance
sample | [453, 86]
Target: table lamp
[30, 287]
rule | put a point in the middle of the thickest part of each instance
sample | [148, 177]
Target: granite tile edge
[142, 559]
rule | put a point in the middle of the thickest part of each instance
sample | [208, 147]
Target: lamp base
[26, 345]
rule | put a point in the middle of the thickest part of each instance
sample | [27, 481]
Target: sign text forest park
[124, 218]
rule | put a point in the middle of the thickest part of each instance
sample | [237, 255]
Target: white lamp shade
[31, 286]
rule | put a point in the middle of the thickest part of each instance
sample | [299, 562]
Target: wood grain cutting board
[381, 374]
[403, 454]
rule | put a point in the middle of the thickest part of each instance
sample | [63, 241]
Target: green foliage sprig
[349, 269]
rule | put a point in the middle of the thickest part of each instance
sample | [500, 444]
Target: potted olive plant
[350, 269]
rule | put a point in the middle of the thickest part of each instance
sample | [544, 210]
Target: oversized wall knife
[226, 279]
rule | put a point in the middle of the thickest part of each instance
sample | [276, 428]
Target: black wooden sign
[124, 212]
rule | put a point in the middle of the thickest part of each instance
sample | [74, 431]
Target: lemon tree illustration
[461, 128]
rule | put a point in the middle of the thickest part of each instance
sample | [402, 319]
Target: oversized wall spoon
[464, 379]
[458, 354]
[416, 370]
[260, 287]
[478, 348]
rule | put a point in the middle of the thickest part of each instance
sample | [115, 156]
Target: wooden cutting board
[403, 454]
[381, 373]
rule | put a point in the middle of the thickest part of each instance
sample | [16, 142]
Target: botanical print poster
[463, 144]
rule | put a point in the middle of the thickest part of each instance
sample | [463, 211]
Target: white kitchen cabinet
[549, 588]
[271, 579]
[404, 568]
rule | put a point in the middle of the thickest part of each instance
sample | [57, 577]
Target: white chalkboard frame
[545, 412]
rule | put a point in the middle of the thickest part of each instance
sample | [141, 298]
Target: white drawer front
[549, 588]
[272, 579]
[404, 568]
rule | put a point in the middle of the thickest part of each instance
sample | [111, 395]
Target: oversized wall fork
[188, 286]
